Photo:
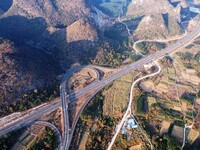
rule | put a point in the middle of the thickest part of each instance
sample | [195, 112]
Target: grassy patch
[189, 60]
[166, 143]
[162, 87]
[141, 105]
[151, 101]
[117, 96]
[189, 98]
[150, 47]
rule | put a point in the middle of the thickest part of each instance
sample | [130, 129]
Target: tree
[198, 95]
[188, 56]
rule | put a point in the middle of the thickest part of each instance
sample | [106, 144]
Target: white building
[131, 124]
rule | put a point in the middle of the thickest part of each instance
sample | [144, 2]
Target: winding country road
[158, 40]
[128, 111]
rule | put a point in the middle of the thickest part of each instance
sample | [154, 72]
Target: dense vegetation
[141, 104]
[150, 47]
[47, 141]
[110, 7]
[8, 140]
[113, 54]
[198, 94]
[189, 98]
[166, 143]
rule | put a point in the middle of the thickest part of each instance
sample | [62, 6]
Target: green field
[110, 7]
[141, 104]
[148, 47]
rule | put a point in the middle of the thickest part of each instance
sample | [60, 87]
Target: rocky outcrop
[81, 30]
[54, 12]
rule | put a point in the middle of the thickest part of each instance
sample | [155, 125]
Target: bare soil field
[147, 86]
[192, 136]
[81, 79]
[165, 127]
[117, 95]
[177, 132]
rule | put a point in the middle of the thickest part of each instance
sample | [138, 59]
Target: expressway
[65, 115]
[98, 85]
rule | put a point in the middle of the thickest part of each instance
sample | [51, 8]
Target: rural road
[128, 111]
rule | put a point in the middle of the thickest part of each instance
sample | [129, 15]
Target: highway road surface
[73, 96]
[65, 115]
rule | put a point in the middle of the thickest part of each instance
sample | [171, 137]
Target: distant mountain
[160, 18]
[49, 25]
[54, 12]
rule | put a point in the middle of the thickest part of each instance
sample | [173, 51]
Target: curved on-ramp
[64, 98]
[58, 134]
